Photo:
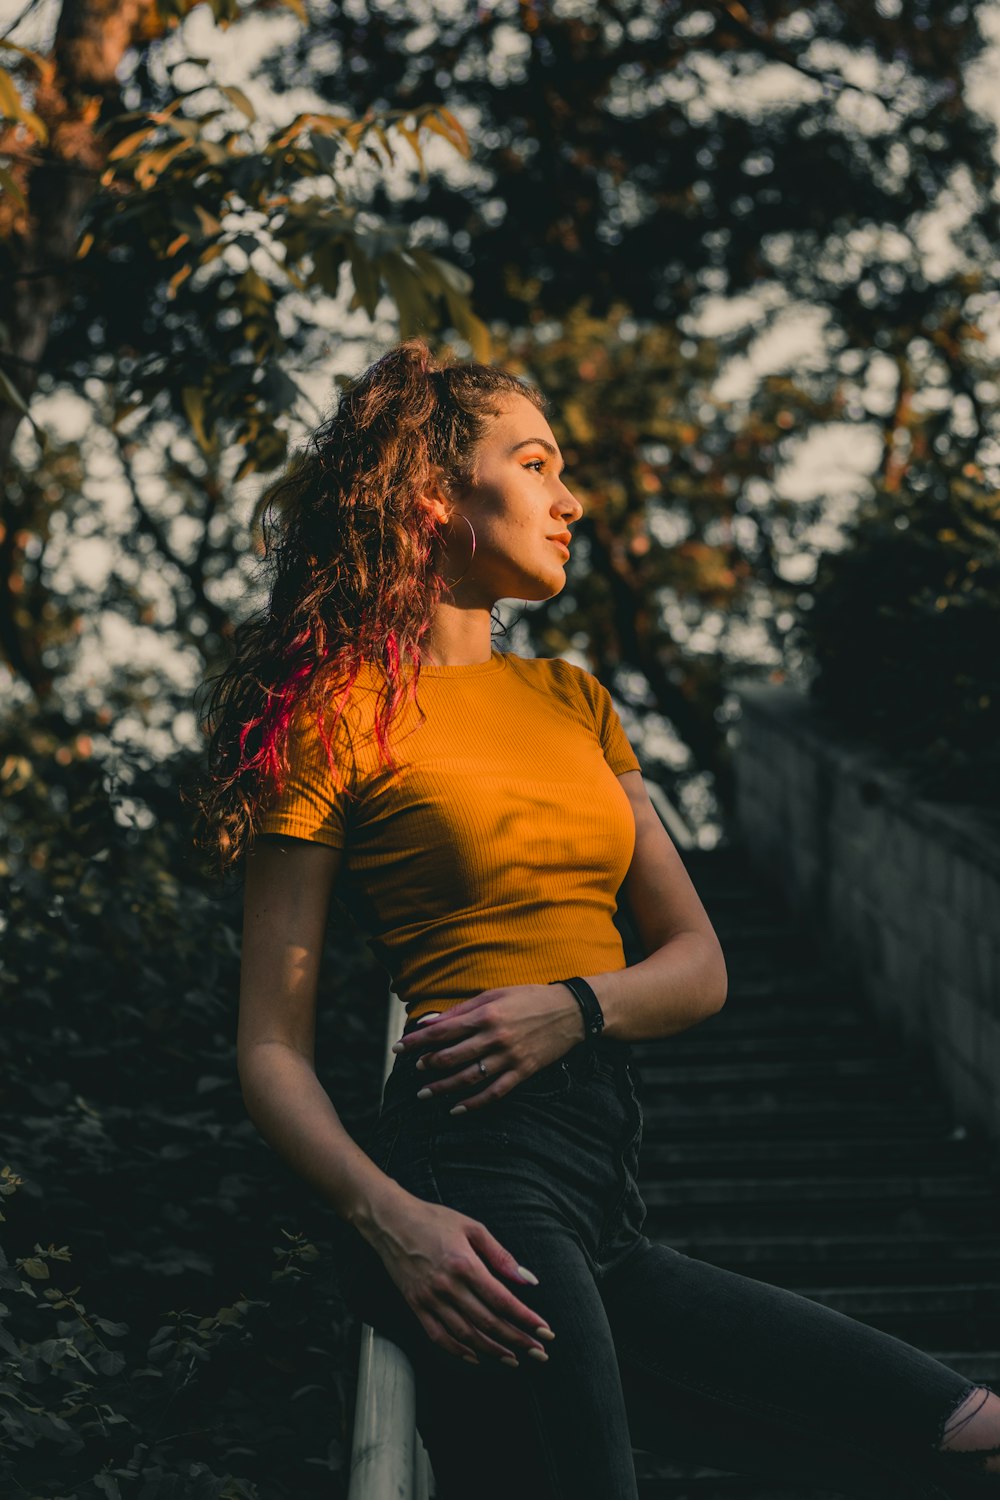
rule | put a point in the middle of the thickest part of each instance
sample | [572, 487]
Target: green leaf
[281, 391]
[366, 282]
[416, 312]
[9, 185]
[10, 393]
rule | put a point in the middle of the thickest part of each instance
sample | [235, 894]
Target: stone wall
[904, 894]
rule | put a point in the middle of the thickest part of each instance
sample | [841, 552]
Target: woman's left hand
[514, 1031]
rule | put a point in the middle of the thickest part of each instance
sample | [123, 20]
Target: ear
[433, 499]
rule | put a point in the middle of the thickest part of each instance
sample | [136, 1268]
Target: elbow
[260, 1068]
[716, 979]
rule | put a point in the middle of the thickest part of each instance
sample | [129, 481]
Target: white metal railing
[388, 1458]
[669, 816]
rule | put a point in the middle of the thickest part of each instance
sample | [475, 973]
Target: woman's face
[517, 504]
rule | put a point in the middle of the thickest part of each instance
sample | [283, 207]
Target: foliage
[905, 632]
[154, 247]
[86, 1410]
[606, 175]
[217, 1362]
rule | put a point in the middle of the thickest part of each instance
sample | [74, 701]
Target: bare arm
[683, 979]
[444, 1262]
[287, 897]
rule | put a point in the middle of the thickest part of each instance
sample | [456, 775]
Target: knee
[971, 1433]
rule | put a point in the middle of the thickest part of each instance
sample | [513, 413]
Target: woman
[496, 1226]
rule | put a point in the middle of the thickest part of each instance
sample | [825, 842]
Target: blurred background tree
[748, 252]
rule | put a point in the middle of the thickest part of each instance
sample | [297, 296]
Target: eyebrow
[541, 443]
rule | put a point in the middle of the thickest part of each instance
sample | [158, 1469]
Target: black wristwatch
[593, 1015]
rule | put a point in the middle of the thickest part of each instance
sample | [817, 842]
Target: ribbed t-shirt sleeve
[312, 803]
[618, 751]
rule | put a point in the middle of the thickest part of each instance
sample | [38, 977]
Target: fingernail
[470, 1359]
[538, 1354]
[458, 1110]
[528, 1275]
[508, 1359]
[398, 1047]
[421, 1063]
[544, 1333]
[424, 1094]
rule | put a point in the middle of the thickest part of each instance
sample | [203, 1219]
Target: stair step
[860, 1156]
[710, 1045]
[775, 1115]
[966, 1187]
[981, 1298]
[716, 1484]
[821, 1095]
[951, 1149]
[931, 1256]
[664, 1072]
[823, 1219]
[792, 1139]
[779, 1018]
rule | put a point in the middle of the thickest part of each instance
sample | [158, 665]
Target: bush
[220, 1364]
[904, 633]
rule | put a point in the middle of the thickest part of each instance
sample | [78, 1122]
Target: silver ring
[482, 1068]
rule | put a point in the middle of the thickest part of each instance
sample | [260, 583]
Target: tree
[133, 246]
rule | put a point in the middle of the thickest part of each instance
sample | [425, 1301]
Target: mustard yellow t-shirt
[495, 853]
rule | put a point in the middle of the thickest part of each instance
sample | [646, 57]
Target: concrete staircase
[788, 1140]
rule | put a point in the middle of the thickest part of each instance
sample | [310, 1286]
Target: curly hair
[349, 539]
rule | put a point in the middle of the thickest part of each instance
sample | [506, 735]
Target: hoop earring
[469, 563]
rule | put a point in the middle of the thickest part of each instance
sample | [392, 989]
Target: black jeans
[654, 1349]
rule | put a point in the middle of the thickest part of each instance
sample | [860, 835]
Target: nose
[574, 505]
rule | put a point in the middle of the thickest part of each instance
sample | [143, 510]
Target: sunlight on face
[517, 504]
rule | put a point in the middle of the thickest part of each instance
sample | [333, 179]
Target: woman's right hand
[444, 1262]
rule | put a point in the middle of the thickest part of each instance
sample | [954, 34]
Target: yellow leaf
[385, 142]
[10, 100]
[36, 1268]
[443, 123]
[478, 335]
[148, 168]
[412, 140]
[246, 467]
[124, 146]
[236, 96]
[177, 278]
[255, 286]
[209, 223]
[36, 125]
[194, 406]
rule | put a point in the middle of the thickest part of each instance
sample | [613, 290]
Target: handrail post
[388, 1459]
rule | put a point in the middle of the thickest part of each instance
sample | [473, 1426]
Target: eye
[534, 463]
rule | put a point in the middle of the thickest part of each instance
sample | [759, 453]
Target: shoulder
[567, 679]
[555, 669]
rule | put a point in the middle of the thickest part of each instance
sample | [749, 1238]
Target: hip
[577, 1121]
